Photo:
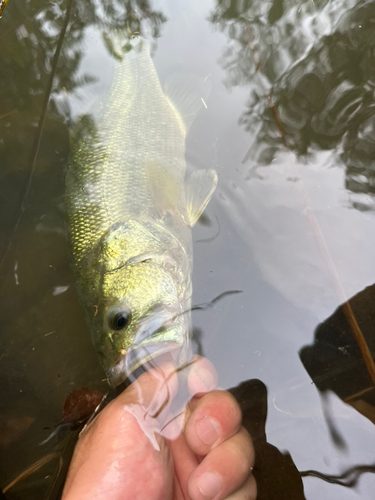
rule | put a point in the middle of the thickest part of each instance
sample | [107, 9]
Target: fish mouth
[158, 334]
[145, 356]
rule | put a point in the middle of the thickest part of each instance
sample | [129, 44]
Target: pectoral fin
[163, 187]
[199, 188]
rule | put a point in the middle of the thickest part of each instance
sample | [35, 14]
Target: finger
[185, 462]
[224, 470]
[148, 400]
[202, 376]
[248, 491]
[215, 417]
[104, 461]
[177, 491]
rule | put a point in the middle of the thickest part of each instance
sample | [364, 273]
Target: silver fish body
[130, 209]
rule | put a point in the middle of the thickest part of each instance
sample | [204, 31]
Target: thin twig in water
[38, 135]
[54, 479]
[351, 475]
[207, 305]
[30, 470]
[7, 114]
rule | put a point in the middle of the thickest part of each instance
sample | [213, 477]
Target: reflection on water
[290, 129]
[275, 472]
[307, 110]
[316, 66]
[335, 362]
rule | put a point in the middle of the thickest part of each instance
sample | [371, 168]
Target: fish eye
[119, 320]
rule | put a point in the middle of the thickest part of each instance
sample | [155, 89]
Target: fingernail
[208, 430]
[209, 484]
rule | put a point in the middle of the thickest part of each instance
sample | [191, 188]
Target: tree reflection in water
[316, 60]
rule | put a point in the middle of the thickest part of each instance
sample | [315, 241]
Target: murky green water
[289, 127]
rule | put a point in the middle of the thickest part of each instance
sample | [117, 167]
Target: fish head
[143, 300]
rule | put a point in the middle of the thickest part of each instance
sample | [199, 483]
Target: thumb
[149, 398]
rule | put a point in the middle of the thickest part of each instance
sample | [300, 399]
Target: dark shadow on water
[337, 438]
[275, 472]
[209, 239]
[334, 361]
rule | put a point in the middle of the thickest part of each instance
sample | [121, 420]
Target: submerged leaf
[80, 404]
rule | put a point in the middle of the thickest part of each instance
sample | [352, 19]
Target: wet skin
[135, 448]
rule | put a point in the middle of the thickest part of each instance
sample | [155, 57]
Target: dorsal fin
[187, 95]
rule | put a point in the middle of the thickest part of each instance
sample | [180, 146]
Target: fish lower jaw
[142, 355]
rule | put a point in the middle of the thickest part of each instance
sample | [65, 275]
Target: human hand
[136, 449]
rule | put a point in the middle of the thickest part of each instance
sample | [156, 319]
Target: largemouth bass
[130, 210]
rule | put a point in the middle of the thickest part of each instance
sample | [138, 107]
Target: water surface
[289, 127]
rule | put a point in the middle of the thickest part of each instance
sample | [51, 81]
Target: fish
[131, 205]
